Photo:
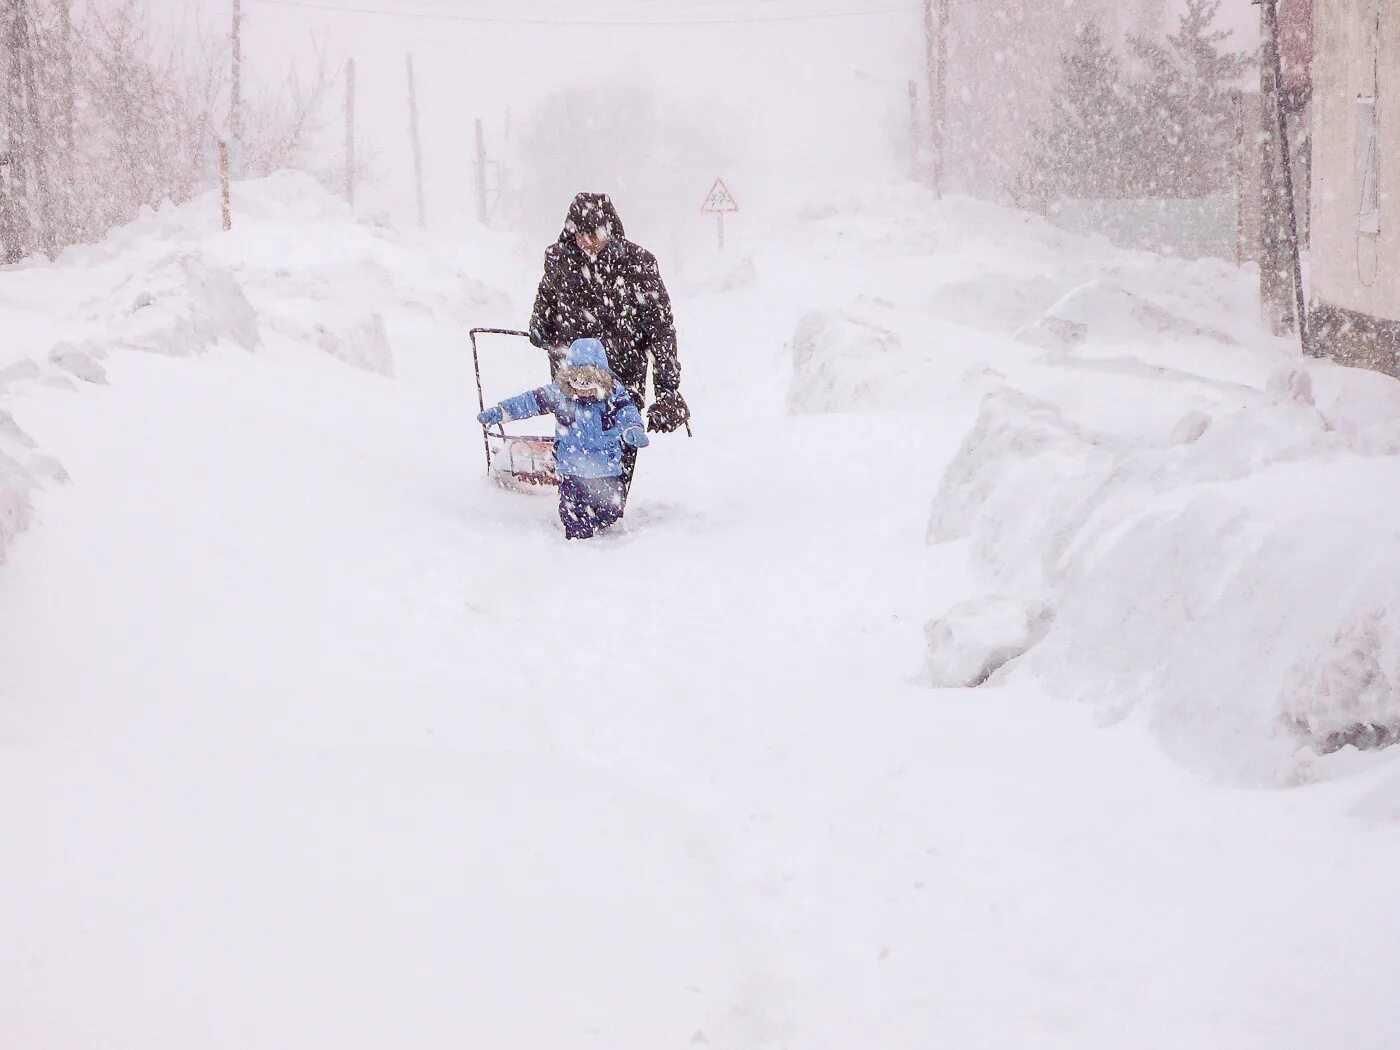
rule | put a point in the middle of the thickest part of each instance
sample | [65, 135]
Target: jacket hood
[587, 352]
[590, 211]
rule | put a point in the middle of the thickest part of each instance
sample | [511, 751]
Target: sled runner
[522, 462]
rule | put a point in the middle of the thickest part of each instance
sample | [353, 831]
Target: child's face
[585, 382]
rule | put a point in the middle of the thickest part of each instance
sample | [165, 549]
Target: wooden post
[9, 212]
[14, 191]
[350, 131]
[67, 101]
[62, 141]
[940, 160]
[914, 129]
[1241, 180]
[1278, 220]
[224, 193]
[417, 144]
[719, 220]
[936, 63]
[36, 131]
[235, 116]
[930, 59]
[482, 205]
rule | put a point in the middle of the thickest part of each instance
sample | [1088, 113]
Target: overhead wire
[445, 16]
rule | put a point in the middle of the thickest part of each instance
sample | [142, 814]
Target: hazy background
[788, 110]
[652, 114]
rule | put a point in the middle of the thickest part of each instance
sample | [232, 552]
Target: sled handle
[480, 394]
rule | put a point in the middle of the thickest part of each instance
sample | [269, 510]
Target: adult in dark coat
[599, 285]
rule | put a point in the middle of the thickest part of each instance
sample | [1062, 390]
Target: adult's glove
[668, 412]
[491, 417]
[636, 437]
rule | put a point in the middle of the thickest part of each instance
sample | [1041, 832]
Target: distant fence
[1193, 229]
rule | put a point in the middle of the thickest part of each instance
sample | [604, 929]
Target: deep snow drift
[300, 745]
[1176, 511]
[295, 270]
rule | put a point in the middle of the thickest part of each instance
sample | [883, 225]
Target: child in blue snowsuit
[594, 417]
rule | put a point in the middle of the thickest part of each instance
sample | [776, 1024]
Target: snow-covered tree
[1089, 146]
[99, 120]
[1004, 60]
[1185, 104]
[1164, 128]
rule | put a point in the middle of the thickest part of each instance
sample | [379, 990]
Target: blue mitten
[491, 417]
[636, 437]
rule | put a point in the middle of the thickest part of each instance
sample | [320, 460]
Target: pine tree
[1089, 147]
[1185, 104]
[1160, 105]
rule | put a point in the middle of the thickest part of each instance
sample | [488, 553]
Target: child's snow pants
[588, 505]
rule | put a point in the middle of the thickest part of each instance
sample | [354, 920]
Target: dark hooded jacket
[618, 298]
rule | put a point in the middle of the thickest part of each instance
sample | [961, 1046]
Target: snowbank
[297, 270]
[1234, 574]
[931, 288]
[16, 481]
[1170, 512]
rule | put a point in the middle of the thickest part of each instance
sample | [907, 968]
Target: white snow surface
[310, 737]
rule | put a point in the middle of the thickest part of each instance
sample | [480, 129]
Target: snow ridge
[1228, 578]
[1170, 512]
[297, 270]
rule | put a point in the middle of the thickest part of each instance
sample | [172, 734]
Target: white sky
[789, 92]
[806, 106]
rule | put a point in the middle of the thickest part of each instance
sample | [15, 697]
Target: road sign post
[719, 202]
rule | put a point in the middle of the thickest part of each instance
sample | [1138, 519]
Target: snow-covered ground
[301, 744]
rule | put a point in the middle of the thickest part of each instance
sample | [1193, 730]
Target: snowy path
[305, 747]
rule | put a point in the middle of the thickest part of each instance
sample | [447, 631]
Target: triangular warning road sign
[719, 199]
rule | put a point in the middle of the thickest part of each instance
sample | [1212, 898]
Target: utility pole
[482, 209]
[1279, 256]
[417, 144]
[936, 67]
[350, 131]
[235, 117]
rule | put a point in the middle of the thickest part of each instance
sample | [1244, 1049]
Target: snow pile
[1169, 510]
[16, 480]
[1106, 312]
[839, 358]
[298, 270]
[975, 639]
[929, 288]
[1235, 576]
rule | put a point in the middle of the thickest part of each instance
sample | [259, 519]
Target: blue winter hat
[587, 352]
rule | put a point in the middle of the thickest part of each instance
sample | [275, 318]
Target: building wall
[1295, 41]
[1355, 274]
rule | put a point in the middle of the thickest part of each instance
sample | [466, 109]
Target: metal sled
[519, 462]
